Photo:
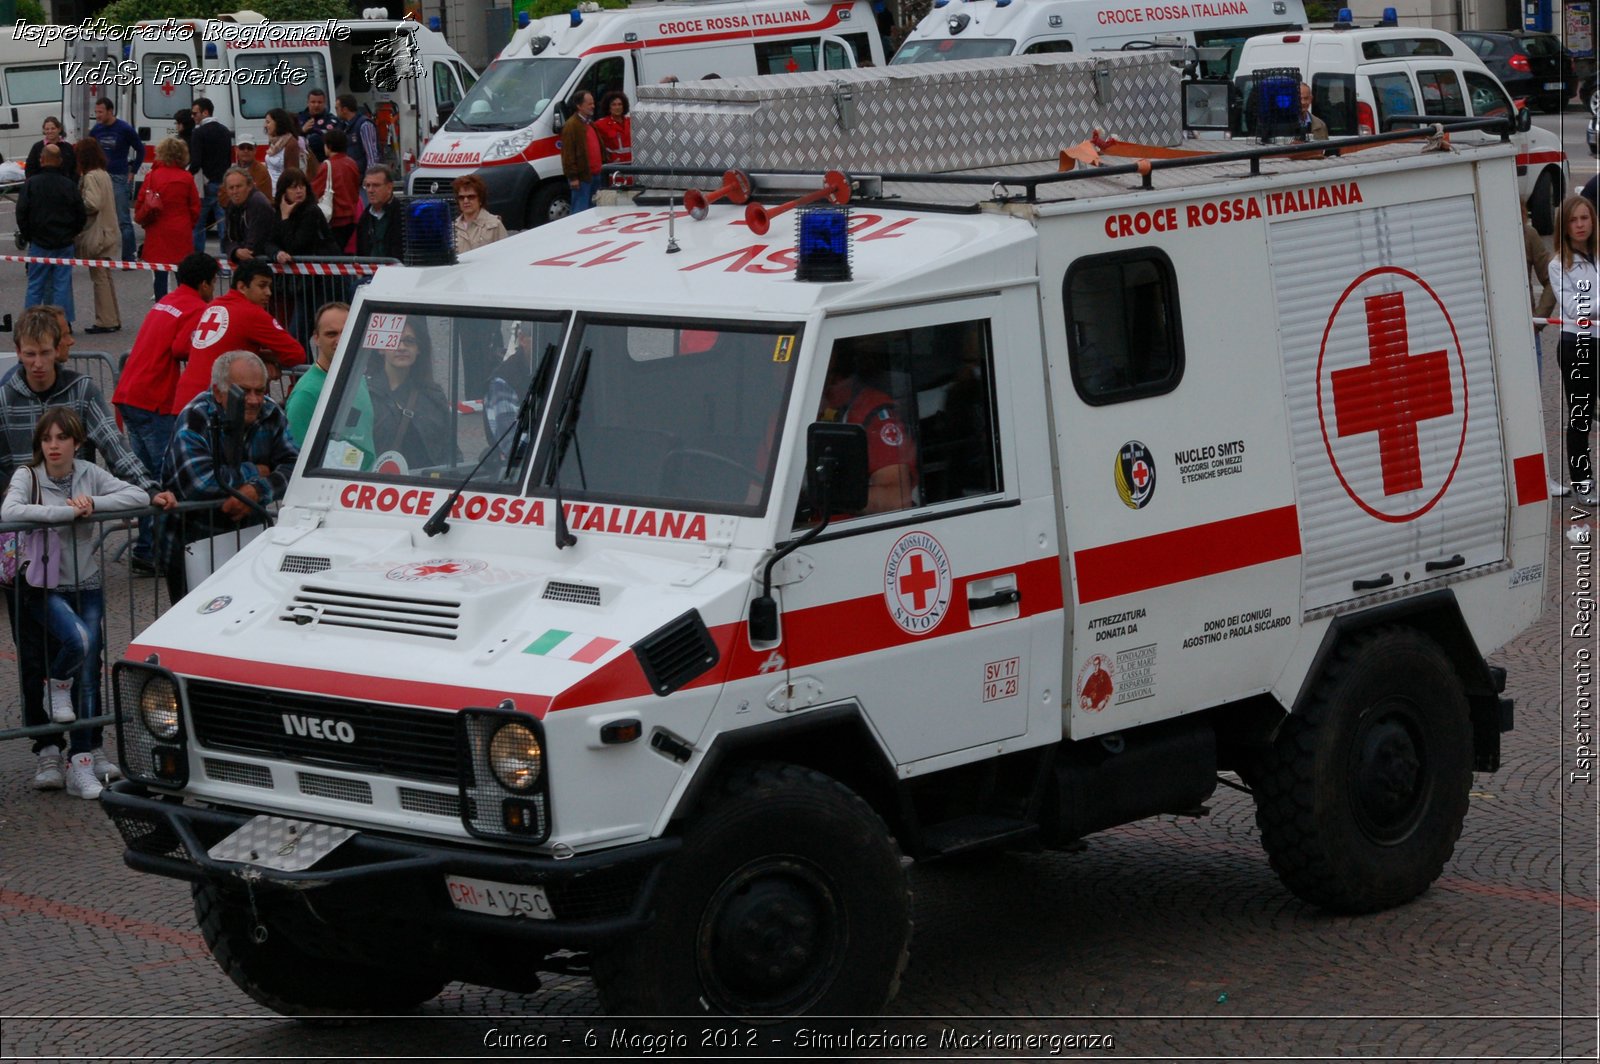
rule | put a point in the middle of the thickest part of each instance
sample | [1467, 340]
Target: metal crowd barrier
[132, 603]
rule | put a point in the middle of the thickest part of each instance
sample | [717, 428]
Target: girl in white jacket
[66, 490]
[1575, 284]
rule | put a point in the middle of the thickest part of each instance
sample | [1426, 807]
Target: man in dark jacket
[210, 153]
[124, 155]
[378, 230]
[49, 215]
[362, 133]
[248, 216]
[580, 151]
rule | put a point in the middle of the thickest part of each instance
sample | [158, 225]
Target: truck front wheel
[549, 201]
[1361, 798]
[787, 899]
[292, 981]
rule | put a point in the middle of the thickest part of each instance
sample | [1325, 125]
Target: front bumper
[595, 897]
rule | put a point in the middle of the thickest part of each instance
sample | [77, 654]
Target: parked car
[1532, 66]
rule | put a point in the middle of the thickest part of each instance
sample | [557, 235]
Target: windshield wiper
[527, 413]
[566, 428]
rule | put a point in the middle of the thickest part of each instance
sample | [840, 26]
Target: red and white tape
[1580, 323]
[314, 269]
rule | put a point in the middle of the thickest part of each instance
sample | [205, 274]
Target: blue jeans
[149, 433]
[72, 620]
[29, 637]
[50, 284]
[583, 195]
[120, 186]
[208, 211]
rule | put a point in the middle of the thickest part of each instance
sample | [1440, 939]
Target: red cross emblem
[454, 144]
[209, 329]
[1141, 474]
[917, 582]
[166, 89]
[1397, 421]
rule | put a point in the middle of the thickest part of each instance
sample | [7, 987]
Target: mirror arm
[764, 610]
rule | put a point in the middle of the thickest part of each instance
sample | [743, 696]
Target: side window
[36, 84]
[162, 98]
[787, 57]
[835, 56]
[1489, 100]
[1047, 47]
[860, 46]
[255, 100]
[468, 78]
[445, 93]
[925, 397]
[1124, 338]
[1394, 96]
[1441, 93]
[1333, 99]
[605, 76]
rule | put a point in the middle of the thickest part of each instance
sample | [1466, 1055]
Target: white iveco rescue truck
[506, 129]
[1026, 523]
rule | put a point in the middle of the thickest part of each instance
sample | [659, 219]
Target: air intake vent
[374, 612]
[582, 594]
[238, 772]
[303, 563]
[430, 802]
[333, 787]
[676, 653]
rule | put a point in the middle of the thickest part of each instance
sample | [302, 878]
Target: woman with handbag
[58, 574]
[168, 208]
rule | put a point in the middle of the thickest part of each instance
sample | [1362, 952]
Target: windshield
[944, 50]
[511, 94]
[684, 417]
[426, 395]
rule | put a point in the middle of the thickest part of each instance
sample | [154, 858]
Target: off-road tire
[1545, 202]
[788, 898]
[293, 982]
[1361, 798]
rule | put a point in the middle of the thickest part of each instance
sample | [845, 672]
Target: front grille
[304, 563]
[582, 594]
[238, 772]
[430, 186]
[415, 801]
[387, 740]
[401, 615]
[341, 790]
[147, 835]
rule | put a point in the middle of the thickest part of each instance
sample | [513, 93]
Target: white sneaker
[105, 769]
[48, 776]
[1558, 490]
[61, 710]
[80, 778]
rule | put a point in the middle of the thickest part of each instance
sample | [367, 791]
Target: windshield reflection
[510, 94]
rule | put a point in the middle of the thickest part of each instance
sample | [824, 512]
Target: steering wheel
[680, 454]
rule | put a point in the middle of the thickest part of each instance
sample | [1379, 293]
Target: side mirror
[836, 467]
[559, 119]
[1524, 119]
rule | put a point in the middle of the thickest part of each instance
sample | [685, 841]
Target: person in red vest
[238, 321]
[346, 178]
[148, 385]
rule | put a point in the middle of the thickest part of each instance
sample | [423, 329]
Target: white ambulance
[1362, 80]
[403, 73]
[506, 129]
[982, 29]
[30, 88]
[992, 514]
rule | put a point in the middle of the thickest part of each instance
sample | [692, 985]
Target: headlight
[515, 757]
[158, 708]
[508, 147]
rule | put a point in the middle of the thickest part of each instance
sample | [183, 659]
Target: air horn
[735, 186]
[835, 188]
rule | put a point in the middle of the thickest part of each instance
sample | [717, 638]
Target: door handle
[1008, 597]
[1445, 563]
[1368, 585]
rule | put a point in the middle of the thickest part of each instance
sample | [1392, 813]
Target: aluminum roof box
[921, 117]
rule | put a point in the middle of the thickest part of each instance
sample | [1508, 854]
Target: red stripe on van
[1186, 554]
[1528, 471]
[790, 29]
[1534, 158]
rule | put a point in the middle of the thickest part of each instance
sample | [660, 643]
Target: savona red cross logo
[1398, 401]
[917, 582]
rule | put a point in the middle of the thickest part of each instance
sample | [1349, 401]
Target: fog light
[158, 708]
[168, 762]
[523, 816]
[515, 757]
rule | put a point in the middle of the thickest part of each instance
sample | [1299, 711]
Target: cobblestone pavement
[1172, 938]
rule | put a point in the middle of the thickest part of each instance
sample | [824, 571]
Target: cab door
[919, 609]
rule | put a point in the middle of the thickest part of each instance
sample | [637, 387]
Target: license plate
[1552, 85]
[499, 899]
[280, 844]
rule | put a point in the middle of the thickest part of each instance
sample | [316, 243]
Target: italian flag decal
[570, 646]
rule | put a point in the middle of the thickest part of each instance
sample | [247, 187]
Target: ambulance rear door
[163, 89]
[925, 613]
[306, 65]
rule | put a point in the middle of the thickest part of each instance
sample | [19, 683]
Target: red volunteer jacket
[150, 379]
[231, 323]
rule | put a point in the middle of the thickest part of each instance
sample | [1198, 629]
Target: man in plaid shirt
[245, 462]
